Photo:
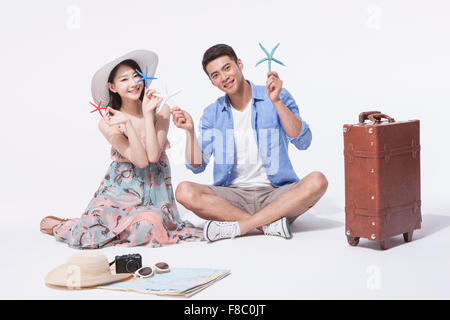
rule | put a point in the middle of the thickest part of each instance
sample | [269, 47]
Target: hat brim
[64, 276]
[99, 84]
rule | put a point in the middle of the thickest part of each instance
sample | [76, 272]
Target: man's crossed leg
[206, 204]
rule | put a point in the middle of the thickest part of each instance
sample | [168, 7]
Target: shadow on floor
[432, 223]
[393, 242]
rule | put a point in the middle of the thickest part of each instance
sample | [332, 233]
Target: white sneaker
[279, 228]
[216, 230]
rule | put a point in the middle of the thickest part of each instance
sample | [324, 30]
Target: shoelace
[228, 230]
[272, 228]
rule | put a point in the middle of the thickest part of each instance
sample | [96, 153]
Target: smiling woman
[134, 204]
[114, 98]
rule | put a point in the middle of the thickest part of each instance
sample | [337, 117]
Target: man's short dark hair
[218, 51]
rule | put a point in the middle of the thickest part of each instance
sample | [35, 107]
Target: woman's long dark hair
[115, 101]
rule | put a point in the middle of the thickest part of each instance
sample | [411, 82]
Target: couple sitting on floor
[247, 131]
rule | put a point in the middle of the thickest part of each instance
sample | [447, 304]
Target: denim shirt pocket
[269, 120]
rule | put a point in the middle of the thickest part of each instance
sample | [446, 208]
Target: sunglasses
[147, 272]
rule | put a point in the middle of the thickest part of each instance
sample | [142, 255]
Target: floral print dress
[132, 207]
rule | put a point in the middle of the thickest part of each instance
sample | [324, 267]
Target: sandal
[49, 230]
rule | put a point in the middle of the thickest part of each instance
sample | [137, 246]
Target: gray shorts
[252, 199]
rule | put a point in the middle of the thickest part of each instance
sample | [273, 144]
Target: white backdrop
[342, 57]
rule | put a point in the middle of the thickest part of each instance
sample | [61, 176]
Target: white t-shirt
[248, 170]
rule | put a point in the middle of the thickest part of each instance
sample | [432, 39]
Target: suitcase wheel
[353, 241]
[384, 244]
[408, 236]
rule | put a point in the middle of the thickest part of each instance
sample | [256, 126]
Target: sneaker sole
[288, 227]
[205, 231]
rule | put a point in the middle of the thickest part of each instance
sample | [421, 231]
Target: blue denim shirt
[216, 138]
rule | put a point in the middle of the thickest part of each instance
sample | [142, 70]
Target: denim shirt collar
[257, 95]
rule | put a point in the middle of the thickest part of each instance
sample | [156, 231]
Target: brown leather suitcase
[382, 179]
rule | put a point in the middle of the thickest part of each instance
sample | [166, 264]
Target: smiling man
[248, 131]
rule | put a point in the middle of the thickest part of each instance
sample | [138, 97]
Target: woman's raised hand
[181, 119]
[113, 117]
[150, 101]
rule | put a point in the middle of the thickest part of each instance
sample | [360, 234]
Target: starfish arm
[261, 61]
[273, 50]
[163, 102]
[98, 108]
[278, 61]
[140, 73]
[174, 94]
[264, 49]
[140, 80]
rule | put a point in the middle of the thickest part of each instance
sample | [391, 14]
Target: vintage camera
[128, 263]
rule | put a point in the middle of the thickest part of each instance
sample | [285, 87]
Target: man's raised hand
[181, 119]
[273, 86]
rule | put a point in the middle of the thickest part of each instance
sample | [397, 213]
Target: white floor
[317, 263]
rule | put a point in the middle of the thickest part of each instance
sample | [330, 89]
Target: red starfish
[98, 108]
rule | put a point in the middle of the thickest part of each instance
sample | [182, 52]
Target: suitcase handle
[363, 116]
[376, 118]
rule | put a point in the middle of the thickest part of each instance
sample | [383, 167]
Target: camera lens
[132, 266]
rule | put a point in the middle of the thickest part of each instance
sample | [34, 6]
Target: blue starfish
[144, 76]
[269, 57]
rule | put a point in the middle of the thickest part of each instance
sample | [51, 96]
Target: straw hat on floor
[83, 270]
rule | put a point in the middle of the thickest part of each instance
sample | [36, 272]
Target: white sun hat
[83, 270]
